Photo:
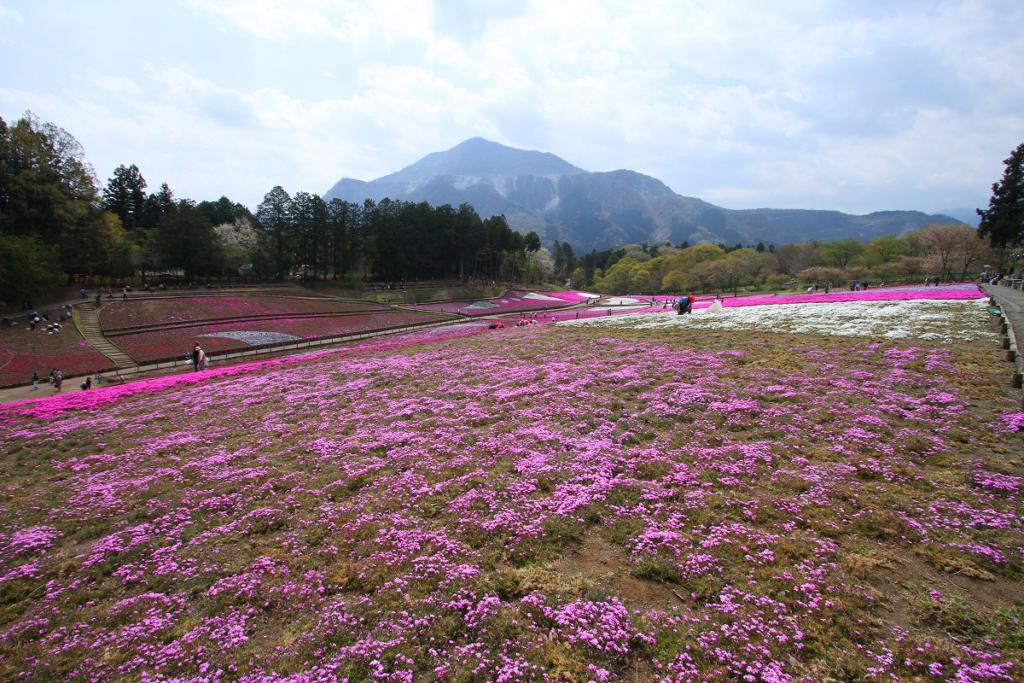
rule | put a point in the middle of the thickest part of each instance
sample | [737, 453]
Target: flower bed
[948, 320]
[119, 315]
[23, 352]
[165, 344]
[571, 504]
[954, 292]
[511, 302]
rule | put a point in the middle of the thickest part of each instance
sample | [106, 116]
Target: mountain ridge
[605, 209]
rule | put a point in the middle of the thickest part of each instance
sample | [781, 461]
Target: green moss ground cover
[542, 504]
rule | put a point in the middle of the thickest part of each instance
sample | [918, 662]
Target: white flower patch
[482, 305]
[456, 328]
[541, 297]
[617, 309]
[932, 319]
[256, 338]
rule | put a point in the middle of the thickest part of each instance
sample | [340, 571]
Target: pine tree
[1003, 221]
[125, 196]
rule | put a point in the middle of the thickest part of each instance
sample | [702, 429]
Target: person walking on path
[58, 381]
[196, 351]
[35, 381]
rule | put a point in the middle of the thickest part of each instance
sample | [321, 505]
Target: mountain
[964, 214]
[539, 191]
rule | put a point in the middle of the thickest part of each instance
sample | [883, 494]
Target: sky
[849, 105]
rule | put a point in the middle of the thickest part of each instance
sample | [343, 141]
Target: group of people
[57, 381]
[51, 327]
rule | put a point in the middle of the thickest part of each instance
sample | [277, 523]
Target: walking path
[1011, 301]
[87, 320]
[136, 372]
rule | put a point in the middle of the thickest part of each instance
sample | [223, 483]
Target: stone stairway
[87, 320]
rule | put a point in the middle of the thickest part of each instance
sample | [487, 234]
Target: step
[87, 320]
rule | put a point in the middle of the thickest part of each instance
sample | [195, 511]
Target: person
[684, 305]
[58, 381]
[204, 360]
[35, 381]
[195, 357]
[97, 299]
[87, 384]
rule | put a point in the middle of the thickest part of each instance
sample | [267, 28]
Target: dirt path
[1012, 303]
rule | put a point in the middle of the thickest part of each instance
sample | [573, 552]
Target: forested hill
[541, 192]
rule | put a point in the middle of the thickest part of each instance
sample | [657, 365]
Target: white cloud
[850, 106]
[10, 16]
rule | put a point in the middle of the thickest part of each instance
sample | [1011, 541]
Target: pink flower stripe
[870, 295]
[512, 301]
[165, 344]
[117, 315]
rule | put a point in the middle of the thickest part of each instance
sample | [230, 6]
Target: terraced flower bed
[950, 292]
[121, 315]
[23, 352]
[511, 302]
[163, 344]
[570, 503]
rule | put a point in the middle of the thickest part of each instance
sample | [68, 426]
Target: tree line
[57, 222]
[942, 251]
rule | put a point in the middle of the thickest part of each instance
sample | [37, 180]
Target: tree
[47, 185]
[1003, 221]
[821, 275]
[885, 249]
[943, 242]
[158, 205]
[240, 240]
[532, 242]
[796, 257]
[274, 216]
[972, 251]
[729, 274]
[26, 266]
[187, 241]
[125, 196]
[840, 253]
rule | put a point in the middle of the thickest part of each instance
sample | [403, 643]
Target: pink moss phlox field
[950, 293]
[410, 512]
[24, 351]
[509, 302]
[118, 315]
[162, 344]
